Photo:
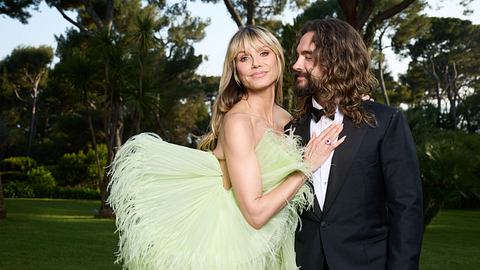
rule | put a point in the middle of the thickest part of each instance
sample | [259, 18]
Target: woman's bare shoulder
[283, 116]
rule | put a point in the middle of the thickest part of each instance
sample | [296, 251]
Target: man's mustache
[302, 74]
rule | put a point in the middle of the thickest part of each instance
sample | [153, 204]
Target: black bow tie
[317, 114]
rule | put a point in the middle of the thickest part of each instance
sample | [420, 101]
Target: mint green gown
[172, 211]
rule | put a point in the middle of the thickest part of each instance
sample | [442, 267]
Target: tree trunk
[92, 134]
[250, 12]
[380, 68]
[357, 14]
[111, 125]
[115, 142]
[139, 107]
[3, 209]
[33, 118]
[452, 95]
[437, 92]
[231, 9]
[382, 83]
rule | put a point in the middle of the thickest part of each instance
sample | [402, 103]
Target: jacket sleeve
[403, 194]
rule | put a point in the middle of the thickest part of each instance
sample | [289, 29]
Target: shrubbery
[80, 169]
[449, 163]
[22, 190]
[74, 177]
[16, 168]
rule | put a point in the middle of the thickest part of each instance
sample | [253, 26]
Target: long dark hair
[346, 75]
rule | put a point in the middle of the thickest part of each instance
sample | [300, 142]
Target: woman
[235, 205]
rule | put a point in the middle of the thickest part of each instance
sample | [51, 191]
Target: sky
[47, 22]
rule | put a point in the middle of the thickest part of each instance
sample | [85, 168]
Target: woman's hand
[321, 146]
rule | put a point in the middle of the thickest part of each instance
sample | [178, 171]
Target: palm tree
[143, 43]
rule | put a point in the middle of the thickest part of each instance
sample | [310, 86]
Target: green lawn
[62, 234]
[55, 234]
[452, 241]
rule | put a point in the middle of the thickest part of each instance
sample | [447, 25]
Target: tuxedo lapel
[342, 159]
[302, 129]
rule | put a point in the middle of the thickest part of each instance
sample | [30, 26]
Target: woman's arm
[238, 144]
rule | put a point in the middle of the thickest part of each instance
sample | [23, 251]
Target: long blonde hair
[231, 90]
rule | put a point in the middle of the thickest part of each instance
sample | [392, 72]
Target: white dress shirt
[320, 176]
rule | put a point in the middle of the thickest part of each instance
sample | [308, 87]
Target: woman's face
[257, 68]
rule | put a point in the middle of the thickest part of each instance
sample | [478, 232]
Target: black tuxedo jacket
[373, 216]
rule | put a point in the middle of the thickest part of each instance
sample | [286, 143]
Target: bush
[80, 169]
[17, 164]
[40, 176]
[18, 190]
[16, 168]
[449, 165]
[22, 190]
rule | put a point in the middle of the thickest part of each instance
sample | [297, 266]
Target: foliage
[449, 161]
[122, 70]
[189, 116]
[17, 164]
[18, 190]
[16, 168]
[23, 190]
[19, 10]
[469, 113]
[40, 176]
[368, 16]
[79, 169]
[251, 12]
[26, 70]
[444, 65]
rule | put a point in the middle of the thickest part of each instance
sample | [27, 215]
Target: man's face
[306, 72]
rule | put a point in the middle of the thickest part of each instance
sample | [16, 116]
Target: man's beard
[309, 88]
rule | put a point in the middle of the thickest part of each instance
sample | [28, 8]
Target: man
[368, 206]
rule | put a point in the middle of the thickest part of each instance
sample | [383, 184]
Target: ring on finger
[328, 142]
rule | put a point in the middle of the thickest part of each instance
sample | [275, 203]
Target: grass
[452, 241]
[62, 234]
[55, 234]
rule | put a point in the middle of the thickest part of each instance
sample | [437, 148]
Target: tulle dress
[172, 211]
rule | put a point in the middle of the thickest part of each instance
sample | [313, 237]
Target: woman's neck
[261, 103]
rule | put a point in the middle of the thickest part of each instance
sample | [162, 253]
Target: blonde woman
[234, 205]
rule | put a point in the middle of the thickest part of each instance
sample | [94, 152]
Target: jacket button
[323, 224]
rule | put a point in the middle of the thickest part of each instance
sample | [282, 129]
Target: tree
[446, 56]
[252, 12]
[469, 113]
[27, 68]
[367, 16]
[449, 159]
[19, 9]
[122, 38]
[96, 20]
[77, 69]
[403, 26]
[143, 41]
